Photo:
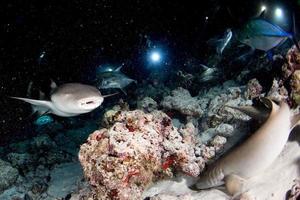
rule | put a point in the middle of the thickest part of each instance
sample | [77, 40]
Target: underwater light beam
[263, 8]
[155, 57]
[278, 12]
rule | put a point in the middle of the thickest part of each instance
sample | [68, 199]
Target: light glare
[155, 57]
[278, 12]
[263, 8]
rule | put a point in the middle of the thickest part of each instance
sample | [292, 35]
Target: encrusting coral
[254, 89]
[120, 162]
[182, 101]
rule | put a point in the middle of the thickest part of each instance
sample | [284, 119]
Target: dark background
[79, 35]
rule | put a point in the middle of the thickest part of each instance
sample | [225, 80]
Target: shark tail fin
[39, 106]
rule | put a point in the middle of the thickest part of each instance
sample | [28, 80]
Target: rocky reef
[139, 149]
[142, 148]
[154, 147]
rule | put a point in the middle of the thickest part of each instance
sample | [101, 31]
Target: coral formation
[293, 62]
[183, 102]
[278, 92]
[254, 89]
[295, 86]
[8, 175]
[120, 162]
[147, 104]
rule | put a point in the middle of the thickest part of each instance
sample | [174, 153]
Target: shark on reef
[256, 154]
[68, 100]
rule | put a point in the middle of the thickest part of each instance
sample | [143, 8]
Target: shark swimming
[67, 100]
[256, 154]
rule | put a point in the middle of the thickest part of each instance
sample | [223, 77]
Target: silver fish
[263, 35]
[114, 79]
[222, 43]
[209, 73]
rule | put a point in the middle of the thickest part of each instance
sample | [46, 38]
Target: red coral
[168, 162]
[130, 174]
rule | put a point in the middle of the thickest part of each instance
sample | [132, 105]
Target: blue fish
[43, 120]
[263, 35]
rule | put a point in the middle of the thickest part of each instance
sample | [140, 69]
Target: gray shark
[68, 100]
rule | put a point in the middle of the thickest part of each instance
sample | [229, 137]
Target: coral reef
[253, 90]
[120, 162]
[293, 62]
[147, 104]
[295, 86]
[278, 92]
[8, 175]
[183, 102]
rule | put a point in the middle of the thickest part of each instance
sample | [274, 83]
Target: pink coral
[293, 62]
[254, 89]
[120, 162]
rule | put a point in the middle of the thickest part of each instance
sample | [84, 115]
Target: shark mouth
[90, 103]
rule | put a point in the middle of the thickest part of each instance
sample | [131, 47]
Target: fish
[255, 155]
[68, 100]
[107, 68]
[114, 79]
[209, 73]
[258, 33]
[43, 120]
[222, 43]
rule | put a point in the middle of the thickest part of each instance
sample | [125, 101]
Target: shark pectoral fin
[109, 95]
[40, 106]
[234, 184]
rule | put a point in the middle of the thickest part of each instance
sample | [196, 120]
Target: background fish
[263, 35]
[222, 43]
[113, 79]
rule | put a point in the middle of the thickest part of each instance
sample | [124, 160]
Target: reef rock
[278, 92]
[253, 90]
[8, 175]
[139, 149]
[182, 101]
[64, 180]
[293, 62]
[147, 104]
[295, 86]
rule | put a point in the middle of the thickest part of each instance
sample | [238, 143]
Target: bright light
[263, 8]
[155, 57]
[278, 12]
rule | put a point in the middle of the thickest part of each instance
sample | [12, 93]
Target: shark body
[255, 155]
[68, 100]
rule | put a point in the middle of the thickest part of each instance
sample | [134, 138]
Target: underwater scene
[150, 100]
